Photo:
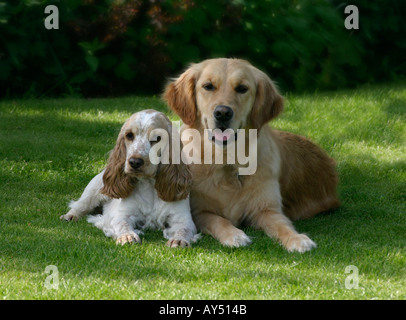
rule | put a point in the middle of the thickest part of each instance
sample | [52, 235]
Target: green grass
[50, 149]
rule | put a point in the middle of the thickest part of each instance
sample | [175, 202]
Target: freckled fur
[154, 196]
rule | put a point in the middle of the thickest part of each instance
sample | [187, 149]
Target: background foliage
[115, 47]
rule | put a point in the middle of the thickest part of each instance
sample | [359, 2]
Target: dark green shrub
[382, 35]
[131, 47]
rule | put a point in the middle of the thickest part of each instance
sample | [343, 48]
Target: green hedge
[131, 47]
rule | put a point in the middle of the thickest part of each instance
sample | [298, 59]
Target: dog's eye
[208, 86]
[129, 136]
[158, 138]
[241, 89]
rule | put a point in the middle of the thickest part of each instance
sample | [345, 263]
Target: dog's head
[130, 159]
[224, 94]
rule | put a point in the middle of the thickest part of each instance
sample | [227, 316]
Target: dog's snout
[136, 163]
[223, 113]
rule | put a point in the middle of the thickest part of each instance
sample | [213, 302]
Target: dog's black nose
[223, 113]
[136, 163]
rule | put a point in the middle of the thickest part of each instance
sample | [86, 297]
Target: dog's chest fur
[220, 190]
[147, 210]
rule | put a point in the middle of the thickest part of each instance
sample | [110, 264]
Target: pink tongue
[222, 136]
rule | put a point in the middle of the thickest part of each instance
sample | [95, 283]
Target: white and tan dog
[135, 193]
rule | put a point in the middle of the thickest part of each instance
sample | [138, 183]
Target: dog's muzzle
[223, 134]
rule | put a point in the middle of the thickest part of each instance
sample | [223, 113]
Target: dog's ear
[268, 102]
[180, 96]
[173, 181]
[117, 184]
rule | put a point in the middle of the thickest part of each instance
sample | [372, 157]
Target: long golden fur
[295, 179]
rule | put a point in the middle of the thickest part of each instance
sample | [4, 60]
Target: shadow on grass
[48, 129]
[396, 108]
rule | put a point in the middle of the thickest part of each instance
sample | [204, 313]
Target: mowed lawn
[50, 149]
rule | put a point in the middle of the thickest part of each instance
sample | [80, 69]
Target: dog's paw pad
[128, 238]
[174, 243]
[69, 217]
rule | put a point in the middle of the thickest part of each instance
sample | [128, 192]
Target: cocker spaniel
[137, 193]
[294, 178]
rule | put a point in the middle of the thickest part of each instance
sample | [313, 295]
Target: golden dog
[295, 179]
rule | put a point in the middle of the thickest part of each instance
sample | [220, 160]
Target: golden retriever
[295, 179]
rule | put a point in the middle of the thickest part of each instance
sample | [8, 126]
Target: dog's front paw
[235, 238]
[300, 243]
[128, 238]
[174, 243]
[69, 217]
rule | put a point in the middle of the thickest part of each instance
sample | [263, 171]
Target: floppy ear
[180, 96]
[268, 102]
[117, 184]
[173, 181]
